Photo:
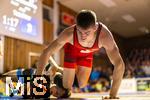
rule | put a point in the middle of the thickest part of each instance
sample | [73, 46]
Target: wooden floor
[92, 96]
[98, 96]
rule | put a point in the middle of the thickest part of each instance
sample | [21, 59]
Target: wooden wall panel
[16, 53]
[48, 32]
[48, 2]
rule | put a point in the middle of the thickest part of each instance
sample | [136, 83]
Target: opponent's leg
[55, 66]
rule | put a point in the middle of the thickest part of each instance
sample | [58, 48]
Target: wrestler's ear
[93, 27]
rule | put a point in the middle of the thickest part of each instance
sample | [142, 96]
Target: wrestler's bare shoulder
[69, 33]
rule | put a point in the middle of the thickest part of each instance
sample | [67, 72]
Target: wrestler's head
[86, 23]
[86, 19]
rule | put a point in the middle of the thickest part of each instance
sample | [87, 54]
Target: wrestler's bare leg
[83, 74]
[68, 77]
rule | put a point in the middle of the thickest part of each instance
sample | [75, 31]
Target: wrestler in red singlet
[78, 55]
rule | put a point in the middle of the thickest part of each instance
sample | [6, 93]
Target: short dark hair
[86, 18]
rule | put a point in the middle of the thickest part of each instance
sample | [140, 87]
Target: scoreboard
[22, 19]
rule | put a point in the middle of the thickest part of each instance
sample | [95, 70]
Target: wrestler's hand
[110, 98]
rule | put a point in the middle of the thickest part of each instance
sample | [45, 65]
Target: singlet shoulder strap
[75, 38]
[97, 35]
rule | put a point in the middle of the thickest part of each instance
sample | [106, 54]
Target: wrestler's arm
[112, 51]
[65, 36]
